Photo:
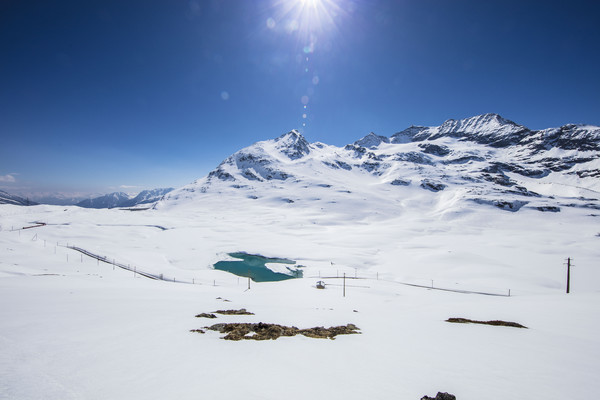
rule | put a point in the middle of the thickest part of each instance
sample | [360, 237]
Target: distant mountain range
[485, 160]
[6, 198]
[111, 200]
[120, 199]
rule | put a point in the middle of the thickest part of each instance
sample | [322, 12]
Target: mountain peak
[372, 140]
[293, 144]
[293, 135]
[489, 129]
[478, 123]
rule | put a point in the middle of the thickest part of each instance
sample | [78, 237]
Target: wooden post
[344, 284]
[568, 274]
[248, 282]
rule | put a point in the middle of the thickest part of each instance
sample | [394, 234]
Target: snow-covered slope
[7, 198]
[147, 197]
[485, 160]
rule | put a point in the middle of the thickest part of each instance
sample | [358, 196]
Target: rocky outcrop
[440, 396]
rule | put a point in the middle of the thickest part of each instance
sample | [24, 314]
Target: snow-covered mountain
[147, 197]
[7, 198]
[485, 160]
[120, 199]
[110, 200]
[58, 199]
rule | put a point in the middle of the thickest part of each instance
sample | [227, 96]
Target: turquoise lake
[255, 267]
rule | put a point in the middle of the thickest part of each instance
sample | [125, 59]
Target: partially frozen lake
[259, 268]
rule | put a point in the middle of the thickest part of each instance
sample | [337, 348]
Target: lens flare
[312, 23]
[308, 17]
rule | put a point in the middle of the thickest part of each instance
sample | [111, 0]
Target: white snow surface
[73, 327]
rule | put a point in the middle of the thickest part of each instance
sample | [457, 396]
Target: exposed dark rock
[548, 208]
[338, 164]
[263, 331]
[498, 167]
[344, 165]
[206, 315]
[251, 175]
[435, 149]
[524, 192]
[370, 166]
[494, 323]
[358, 150]
[568, 137]
[498, 178]
[220, 174]
[513, 206]
[400, 182]
[594, 173]
[414, 157]
[241, 311]
[433, 186]
[440, 396]
[463, 160]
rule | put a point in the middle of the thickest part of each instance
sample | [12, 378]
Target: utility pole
[344, 284]
[568, 274]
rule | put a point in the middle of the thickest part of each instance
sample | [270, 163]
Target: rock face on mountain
[483, 161]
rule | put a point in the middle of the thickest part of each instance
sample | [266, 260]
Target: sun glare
[308, 17]
[310, 22]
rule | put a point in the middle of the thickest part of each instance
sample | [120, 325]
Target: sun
[308, 17]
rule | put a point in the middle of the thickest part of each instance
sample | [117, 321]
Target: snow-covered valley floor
[75, 328]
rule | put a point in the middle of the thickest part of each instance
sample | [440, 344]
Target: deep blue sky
[102, 95]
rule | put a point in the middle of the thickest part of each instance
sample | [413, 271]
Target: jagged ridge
[487, 159]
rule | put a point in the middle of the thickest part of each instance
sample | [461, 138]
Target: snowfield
[74, 328]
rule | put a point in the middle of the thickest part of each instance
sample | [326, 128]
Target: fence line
[432, 287]
[161, 277]
[128, 267]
